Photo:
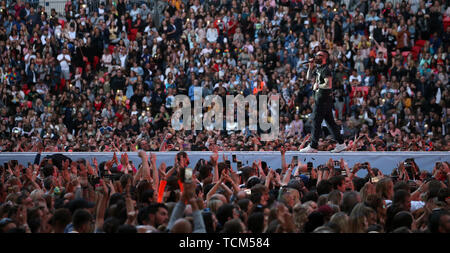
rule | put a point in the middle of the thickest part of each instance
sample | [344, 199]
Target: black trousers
[323, 111]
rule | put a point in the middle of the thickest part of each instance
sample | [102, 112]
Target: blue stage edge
[385, 161]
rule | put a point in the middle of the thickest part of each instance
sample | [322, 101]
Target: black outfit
[118, 83]
[322, 108]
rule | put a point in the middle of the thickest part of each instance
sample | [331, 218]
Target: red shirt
[98, 106]
[119, 117]
[232, 25]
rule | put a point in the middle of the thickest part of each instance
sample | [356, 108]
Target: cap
[252, 181]
[79, 203]
[304, 178]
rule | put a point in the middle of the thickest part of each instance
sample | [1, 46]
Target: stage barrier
[385, 161]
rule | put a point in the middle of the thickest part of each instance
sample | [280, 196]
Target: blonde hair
[214, 205]
[364, 192]
[300, 212]
[358, 219]
[382, 187]
[341, 220]
[37, 195]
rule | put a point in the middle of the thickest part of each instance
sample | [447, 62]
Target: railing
[60, 5]
[155, 6]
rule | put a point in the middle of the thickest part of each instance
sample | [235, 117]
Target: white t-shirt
[212, 35]
[44, 38]
[72, 35]
[64, 60]
[415, 205]
[358, 78]
[123, 59]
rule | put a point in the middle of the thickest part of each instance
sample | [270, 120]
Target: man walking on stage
[323, 85]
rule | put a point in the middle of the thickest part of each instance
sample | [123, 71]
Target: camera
[309, 166]
[93, 180]
[186, 175]
[234, 158]
[239, 164]
[337, 165]
[375, 179]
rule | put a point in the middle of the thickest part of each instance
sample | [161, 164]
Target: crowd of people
[58, 195]
[104, 78]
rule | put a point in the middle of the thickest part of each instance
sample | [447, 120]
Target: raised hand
[225, 158]
[342, 163]
[115, 160]
[90, 170]
[153, 158]
[215, 156]
[330, 163]
[123, 160]
[356, 167]
[282, 151]
[108, 165]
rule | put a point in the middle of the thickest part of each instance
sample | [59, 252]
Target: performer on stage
[323, 85]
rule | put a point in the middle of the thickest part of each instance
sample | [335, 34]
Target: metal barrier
[156, 7]
[60, 6]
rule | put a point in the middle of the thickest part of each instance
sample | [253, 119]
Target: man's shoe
[308, 149]
[339, 148]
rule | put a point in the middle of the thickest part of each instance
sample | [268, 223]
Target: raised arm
[309, 73]
[283, 158]
[214, 188]
[199, 224]
[287, 176]
[155, 171]
[145, 167]
[177, 213]
[100, 212]
[214, 161]
[304, 141]
[131, 212]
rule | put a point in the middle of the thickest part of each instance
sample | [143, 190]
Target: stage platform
[385, 161]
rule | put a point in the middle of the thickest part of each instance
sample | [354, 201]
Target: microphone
[305, 62]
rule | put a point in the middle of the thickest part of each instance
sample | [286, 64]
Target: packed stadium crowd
[103, 78]
[57, 195]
